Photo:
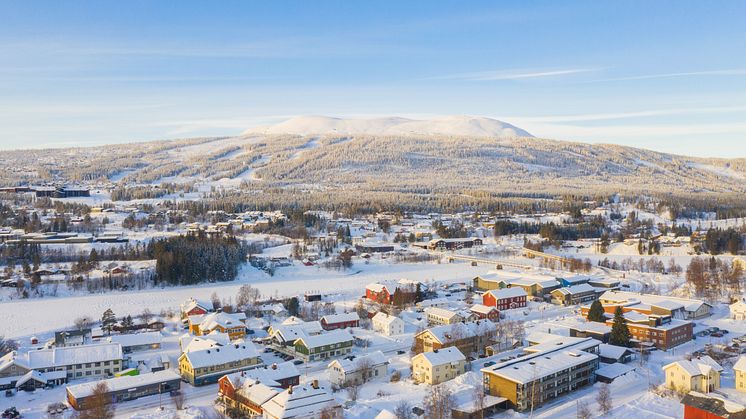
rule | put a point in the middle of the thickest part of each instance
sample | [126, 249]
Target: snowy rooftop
[372, 359]
[299, 402]
[123, 383]
[328, 338]
[340, 318]
[136, 339]
[508, 293]
[218, 355]
[533, 368]
[443, 356]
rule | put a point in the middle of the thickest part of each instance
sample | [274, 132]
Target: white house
[304, 401]
[738, 310]
[358, 370]
[387, 325]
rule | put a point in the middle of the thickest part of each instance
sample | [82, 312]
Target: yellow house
[437, 316]
[231, 324]
[204, 362]
[438, 366]
[740, 369]
[701, 374]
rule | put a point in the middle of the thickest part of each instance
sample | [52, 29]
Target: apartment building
[101, 360]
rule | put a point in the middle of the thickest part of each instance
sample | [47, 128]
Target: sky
[663, 75]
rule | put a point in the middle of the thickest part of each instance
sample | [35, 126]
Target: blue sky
[664, 75]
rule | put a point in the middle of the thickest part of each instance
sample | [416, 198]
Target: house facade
[359, 370]
[324, 346]
[438, 366]
[206, 362]
[387, 325]
[701, 374]
[378, 293]
[506, 298]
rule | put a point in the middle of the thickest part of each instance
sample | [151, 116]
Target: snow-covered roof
[136, 339]
[210, 321]
[698, 366]
[270, 375]
[740, 365]
[372, 359]
[612, 371]
[445, 333]
[482, 309]
[441, 312]
[575, 289]
[299, 402]
[690, 305]
[376, 287]
[33, 358]
[511, 292]
[218, 355]
[542, 365]
[443, 356]
[340, 318]
[123, 383]
[611, 351]
[328, 338]
[384, 318]
[192, 303]
[256, 392]
[189, 342]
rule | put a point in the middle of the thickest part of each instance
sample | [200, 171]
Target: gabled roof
[372, 359]
[511, 292]
[482, 309]
[376, 287]
[740, 365]
[328, 338]
[300, 402]
[445, 333]
[340, 318]
[218, 355]
[385, 318]
[442, 356]
[270, 375]
[575, 289]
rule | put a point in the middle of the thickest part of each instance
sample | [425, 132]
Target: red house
[339, 321]
[378, 293]
[485, 312]
[710, 406]
[194, 307]
[505, 299]
[281, 375]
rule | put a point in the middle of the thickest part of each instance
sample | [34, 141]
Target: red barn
[378, 293]
[340, 321]
[506, 298]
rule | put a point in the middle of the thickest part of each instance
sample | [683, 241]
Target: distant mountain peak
[455, 125]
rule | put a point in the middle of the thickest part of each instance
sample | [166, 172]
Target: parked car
[716, 334]
[297, 362]
[400, 352]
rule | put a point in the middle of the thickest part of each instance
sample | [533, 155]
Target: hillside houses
[690, 309]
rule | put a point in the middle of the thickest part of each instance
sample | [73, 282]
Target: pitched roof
[328, 338]
[373, 359]
[300, 401]
[123, 383]
[217, 355]
[511, 292]
[443, 356]
[385, 318]
[340, 318]
[482, 309]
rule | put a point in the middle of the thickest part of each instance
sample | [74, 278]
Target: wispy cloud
[627, 115]
[726, 72]
[512, 74]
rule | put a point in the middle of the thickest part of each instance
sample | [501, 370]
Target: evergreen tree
[419, 296]
[108, 320]
[293, 306]
[620, 335]
[596, 312]
[127, 322]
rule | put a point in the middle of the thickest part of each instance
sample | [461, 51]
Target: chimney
[290, 389]
[315, 384]
[274, 365]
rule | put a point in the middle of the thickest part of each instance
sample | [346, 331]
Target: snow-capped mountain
[448, 125]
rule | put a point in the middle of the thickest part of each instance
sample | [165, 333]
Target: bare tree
[7, 345]
[178, 398]
[403, 410]
[583, 412]
[438, 402]
[82, 323]
[98, 406]
[146, 316]
[603, 398]
[353, 389]
[365, 366]
[478, 399]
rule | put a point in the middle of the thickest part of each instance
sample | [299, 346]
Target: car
[249, 332]
[723, 331]
[716, 334]
[297, 362]
[489, 364]
[400, 352]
